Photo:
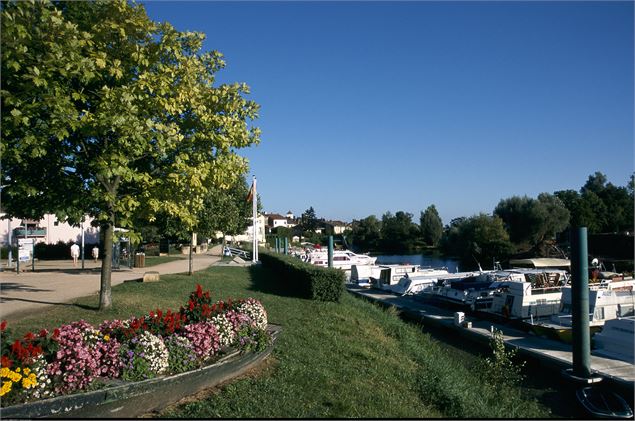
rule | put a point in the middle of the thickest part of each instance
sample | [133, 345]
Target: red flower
[56, 333]
[191, 305]
[6, 362]
[43, 333]
[29, 336]
[199, 291]
[3, 325]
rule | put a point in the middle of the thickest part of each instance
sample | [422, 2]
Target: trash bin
[140, 260]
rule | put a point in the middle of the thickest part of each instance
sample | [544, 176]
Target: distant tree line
[518, 225]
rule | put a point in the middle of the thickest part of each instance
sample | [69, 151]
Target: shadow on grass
[266, 281]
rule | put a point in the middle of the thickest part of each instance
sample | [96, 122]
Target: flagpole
[254, 201]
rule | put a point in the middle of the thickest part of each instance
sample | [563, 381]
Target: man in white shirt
[75, 253]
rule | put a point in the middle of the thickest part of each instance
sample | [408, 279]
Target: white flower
[255, 310]
[225, 329]
[154, 351]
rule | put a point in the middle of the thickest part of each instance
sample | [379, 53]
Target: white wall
[54, 233]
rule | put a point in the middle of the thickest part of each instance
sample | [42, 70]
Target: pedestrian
[95, 253]
[75, 253]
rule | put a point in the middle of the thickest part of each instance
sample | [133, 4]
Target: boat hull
[129, 400]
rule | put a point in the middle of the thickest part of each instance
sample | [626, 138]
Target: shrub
[306, 280]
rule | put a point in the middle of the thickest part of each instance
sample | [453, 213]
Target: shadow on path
[16, 286]
[26, 300]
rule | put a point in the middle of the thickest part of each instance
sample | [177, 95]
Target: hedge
[304, 279]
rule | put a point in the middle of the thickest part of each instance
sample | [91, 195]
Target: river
[424, 260]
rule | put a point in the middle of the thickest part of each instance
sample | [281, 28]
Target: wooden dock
[551, 353]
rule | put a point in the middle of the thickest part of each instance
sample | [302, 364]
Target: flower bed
[81, 358]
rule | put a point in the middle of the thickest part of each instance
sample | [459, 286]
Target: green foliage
[366, 233]
[398, 232]
[599, 205]
[60, 250]
[481, 238]
[529, 221]
[252, 339]
[110, 114]
[181, 357]
[309, 221]
[306, 280]
[499, 370]
[137, 367]
[431, 226]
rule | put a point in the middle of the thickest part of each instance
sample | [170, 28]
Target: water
[424, 260]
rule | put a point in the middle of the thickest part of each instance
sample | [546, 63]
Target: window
[56, 223]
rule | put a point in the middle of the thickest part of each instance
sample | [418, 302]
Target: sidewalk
[58, 282]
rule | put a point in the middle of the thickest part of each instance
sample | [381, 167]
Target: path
[58, 282]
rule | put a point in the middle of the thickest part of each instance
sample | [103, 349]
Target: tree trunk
[105, 292]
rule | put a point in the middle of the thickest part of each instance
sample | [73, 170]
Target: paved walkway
[58, 282]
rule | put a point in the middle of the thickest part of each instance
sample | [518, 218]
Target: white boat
[617, 339]
[342, 259]
[390, 275]
[528, 293]
[607, 301]
[455, 288]
[413, 286]
[362, 275]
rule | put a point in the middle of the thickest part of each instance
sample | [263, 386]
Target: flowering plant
[75, 355]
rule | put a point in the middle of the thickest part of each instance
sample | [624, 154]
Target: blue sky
[368, 107]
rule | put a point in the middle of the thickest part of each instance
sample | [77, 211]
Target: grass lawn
[347, 359]
[157, 260]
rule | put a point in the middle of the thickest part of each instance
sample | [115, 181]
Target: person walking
[75, 253]
[95, 253]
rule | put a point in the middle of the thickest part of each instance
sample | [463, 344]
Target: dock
[551, 353]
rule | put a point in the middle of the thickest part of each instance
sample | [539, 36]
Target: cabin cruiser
[609, 299]
[391, 275]
[527, 293]
[342, 259]
[455, 288]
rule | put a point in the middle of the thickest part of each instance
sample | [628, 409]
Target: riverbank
[333, 360]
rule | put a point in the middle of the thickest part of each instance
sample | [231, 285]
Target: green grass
[157, 260]
[347, 359]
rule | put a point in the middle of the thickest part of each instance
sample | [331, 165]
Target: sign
[24, 255]
[22, 242]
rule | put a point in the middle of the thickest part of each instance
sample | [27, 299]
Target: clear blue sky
[368, 107]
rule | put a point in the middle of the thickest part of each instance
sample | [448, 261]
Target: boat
[412, 285]
[599, 403]
[362, 275]
[616, 340]
[455, 288]
[541, 263]
[132, 399]
[527, 294]
[342, 259]
[610, 299]
[390, 275]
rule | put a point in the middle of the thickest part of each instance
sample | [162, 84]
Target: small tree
[500, 370]
[431, 226]
[309, 221]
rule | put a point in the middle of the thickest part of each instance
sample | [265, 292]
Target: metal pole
[580, 301]
[190, 257]
[82, 228]
[277, 244]
[10, 265]
[330, 252]
[286, 245]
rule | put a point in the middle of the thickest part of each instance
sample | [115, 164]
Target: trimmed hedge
[306, 280]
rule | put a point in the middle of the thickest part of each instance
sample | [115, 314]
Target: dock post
[580, 303]
[277, 244]
[286, 245]
[330, 251]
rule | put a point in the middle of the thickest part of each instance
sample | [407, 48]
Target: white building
[248, 235]
[47, 230]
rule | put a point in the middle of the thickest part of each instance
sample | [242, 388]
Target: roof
[541, 262]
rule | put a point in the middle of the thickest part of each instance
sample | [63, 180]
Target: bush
[304, 279]
[61, 251]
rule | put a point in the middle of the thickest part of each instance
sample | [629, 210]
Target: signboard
[24, 255]
[25, 249]
[23, 242]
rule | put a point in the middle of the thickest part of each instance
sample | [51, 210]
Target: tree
[308, 220]
[521, 218]
[398, 232]
[431, 226]
[481, 238]
[366, 233]
[107, 113]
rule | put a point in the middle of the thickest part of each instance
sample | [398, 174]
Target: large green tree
[480, 239]
[398, 232]
[107, 113]
[431, 226]
[366, 233]
[530, 222]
